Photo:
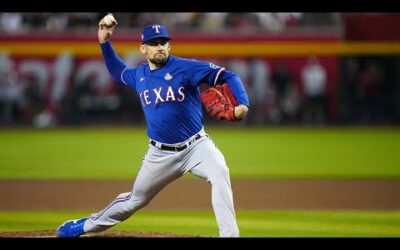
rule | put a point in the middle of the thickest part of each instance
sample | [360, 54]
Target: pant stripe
[117, 200]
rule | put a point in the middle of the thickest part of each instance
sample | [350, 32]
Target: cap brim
[165, 37]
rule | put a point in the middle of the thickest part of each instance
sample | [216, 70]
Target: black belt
[176, 149]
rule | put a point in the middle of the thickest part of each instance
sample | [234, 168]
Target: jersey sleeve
[128, 76]
[198, 72]
[113, 62]
[236, 85]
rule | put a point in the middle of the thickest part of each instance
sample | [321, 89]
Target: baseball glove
[219, 102]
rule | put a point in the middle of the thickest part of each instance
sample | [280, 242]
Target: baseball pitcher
[168, 88]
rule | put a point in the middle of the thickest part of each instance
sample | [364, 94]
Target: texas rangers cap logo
[154, 31]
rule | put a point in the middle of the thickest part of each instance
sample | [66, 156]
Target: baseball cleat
[71, 228]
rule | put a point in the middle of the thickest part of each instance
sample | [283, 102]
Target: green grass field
[252, 153]
[116, 153]
[251, 223]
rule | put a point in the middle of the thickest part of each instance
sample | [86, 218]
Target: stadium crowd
[366, 95]
[182, 21]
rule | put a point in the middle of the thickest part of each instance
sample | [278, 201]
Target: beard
[159, 60]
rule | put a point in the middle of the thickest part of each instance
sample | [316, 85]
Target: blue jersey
[169, 95]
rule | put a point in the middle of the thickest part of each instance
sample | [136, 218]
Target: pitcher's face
[156, 50]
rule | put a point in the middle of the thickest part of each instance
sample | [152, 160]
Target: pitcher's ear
[142, 49]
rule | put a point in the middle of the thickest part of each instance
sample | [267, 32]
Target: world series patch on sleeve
[219, 102]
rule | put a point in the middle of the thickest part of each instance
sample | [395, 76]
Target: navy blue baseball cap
[154, 31]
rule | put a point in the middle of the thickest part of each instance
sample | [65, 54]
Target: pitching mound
[106, 234]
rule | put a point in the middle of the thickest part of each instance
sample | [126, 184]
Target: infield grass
[251, 223]
[116, 153]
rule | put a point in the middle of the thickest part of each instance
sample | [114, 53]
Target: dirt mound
[106, 234]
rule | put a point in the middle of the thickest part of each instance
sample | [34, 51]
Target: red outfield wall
[44, 52]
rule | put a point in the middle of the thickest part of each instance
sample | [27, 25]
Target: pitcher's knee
[136, 203]
[138, 200]
[219, 173]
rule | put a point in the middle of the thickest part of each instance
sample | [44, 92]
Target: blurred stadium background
[298, 68]
[330, 80]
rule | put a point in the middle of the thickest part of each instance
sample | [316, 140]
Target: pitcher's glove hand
[219, 102]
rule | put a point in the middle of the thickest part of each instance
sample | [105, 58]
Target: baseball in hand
[109, 20]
